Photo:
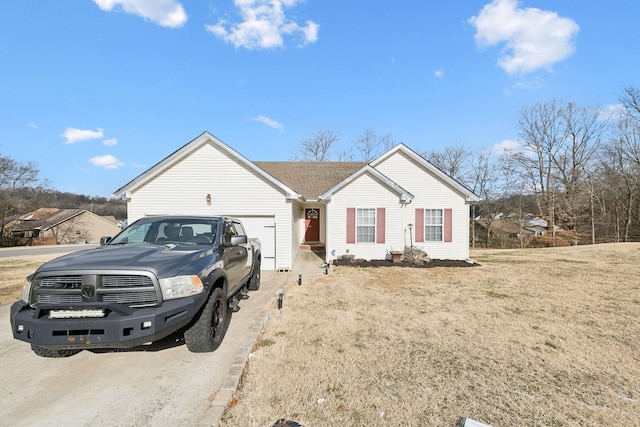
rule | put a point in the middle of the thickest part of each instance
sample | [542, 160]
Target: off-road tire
[206, 334]
[46, 352]
[254, 281]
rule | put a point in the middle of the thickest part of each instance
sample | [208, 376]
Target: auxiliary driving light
[146, 325]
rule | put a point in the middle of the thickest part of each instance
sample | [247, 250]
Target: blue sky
[96, 91]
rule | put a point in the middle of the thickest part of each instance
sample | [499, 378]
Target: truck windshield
[162, 231]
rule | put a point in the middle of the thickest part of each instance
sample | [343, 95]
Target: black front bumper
[121, 327]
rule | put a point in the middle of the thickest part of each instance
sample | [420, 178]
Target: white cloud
[439, 73]
[110, 142]
[269, 122]
[506, 146]
[534, 39]
[107, 162]
[263, 25]
[72, 135]
[530, 85]
[32, 125]
[166, 13]
[613, 111]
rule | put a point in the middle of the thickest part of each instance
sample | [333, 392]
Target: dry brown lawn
[545, 337]
[13, 271]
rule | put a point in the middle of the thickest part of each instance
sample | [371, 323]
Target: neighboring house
[61, 226]
[507, 230]
[356, 208]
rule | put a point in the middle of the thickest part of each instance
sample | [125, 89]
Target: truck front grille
[133, 290]
[64, 282]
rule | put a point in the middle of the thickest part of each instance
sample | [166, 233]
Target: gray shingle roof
[44, 218]
[311, 179]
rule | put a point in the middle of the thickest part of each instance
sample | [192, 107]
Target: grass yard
[544, 337]
[13, 271]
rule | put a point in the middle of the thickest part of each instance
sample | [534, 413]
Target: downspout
[404, 231]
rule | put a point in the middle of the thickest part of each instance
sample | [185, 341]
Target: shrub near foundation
[531, 337]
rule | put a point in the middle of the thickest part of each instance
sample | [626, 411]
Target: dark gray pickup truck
[158, 276]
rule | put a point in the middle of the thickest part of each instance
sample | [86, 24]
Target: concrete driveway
[158, 385]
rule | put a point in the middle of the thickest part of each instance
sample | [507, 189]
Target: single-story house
[362, 209]
[61, 226]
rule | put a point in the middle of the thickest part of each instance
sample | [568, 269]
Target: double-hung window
[433, 225]
[365, 225]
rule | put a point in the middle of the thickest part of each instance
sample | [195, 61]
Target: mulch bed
[388, 263]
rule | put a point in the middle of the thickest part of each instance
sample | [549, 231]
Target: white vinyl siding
[429, 191]
[364, 191]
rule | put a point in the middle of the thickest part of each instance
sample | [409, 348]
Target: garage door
[264, 228]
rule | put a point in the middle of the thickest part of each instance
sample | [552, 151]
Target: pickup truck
[159, 276]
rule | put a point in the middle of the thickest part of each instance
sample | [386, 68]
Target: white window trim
[426, 225]
[374, 225]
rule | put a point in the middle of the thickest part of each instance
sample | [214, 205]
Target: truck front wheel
[45, 352]
[207, 332]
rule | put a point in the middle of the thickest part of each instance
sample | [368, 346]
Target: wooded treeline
[579, 165]
[22, 190]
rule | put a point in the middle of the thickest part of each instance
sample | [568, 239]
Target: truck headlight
[26, 289]
[180, 287]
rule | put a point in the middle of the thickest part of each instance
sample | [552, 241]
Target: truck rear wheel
[45, 352]
[206, 334]
[254, 281]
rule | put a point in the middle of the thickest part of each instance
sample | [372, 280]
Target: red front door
[312, 225]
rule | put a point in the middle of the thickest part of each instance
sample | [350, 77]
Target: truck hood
[164, 261]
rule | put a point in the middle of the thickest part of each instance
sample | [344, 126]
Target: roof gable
[402, 149]
[190, 147]
[404, 195]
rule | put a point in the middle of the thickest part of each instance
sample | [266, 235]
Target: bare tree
[584, 128]
[453, 160]
[484, 184]
[621, 169]
[542, 130]
[370, 145]
[630, 99]
[17, 182]
[316, 147]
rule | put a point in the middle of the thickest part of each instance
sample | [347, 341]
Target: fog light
[146, 325]
[20, 329]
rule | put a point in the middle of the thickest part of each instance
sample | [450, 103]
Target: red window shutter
[448, 229]
[351, 225]
[419, 225]
[380, 225]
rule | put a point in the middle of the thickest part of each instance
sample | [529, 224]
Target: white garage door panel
[263, 228]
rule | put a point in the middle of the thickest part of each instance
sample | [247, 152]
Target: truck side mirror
[239, 240]
[104, 240]
[235, 240]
